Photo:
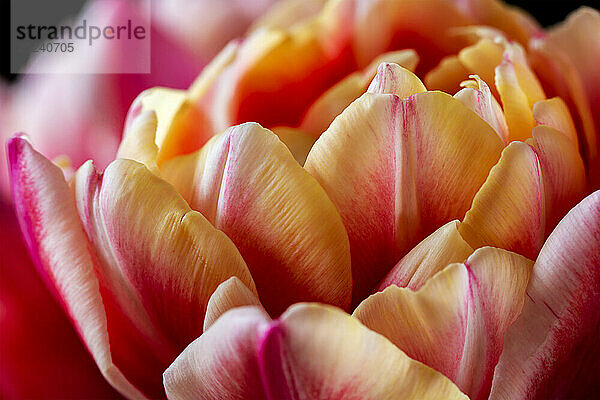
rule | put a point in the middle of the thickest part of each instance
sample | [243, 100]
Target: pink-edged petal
[41, 355]
[57, 242]
[223, 362]
[312, 352]
[478, 97]
[559, 76]
[563, 172]
[460, 315]
[552, 350]
[444, 246]
[246, 182]
[230, 294]
[397, 170]
[157, 254]
[320, 352]
[394, 79]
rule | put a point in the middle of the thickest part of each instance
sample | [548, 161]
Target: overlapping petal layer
[526, 194]
[311, 352]
[397, 169]
[552, 350]
[119, 280]
[455, 323]
[246, 182]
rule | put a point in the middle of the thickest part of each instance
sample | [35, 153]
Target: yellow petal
[297, 141]
[515, 103]
[447, 75]
[482, 58]
[138, 142]
[509, 209]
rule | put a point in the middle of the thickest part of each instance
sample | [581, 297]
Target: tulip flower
[92, 109]
[335, 212]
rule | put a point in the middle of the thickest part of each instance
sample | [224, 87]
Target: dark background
[547, 12]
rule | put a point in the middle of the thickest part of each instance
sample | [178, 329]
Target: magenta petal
[41, 355]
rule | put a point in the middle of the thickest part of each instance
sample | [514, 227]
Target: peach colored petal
[444, 246]
[312, 352]
[331, 103]
[477, 96]
[555, 114]
[394, 79]
[230, 294]
[248, 184]
[552, 350]
[526, 194]
[398, 169]
[297, 141]
[460, 315]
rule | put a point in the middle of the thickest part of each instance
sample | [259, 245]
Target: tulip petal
[415, 24]
[519, 90]
[285, 13]
[552, 349]
[444, 246]
[560, 78]
[393, 79]
[526, 194]
[247, 183]
[297, 141]
[305, 59]
[230, 294]
[223, 362]
[514, 102]
[563, 172]
[312, 352]
[447, 75]
[555, 114]
[578, 39]
[138, 142]
[59, 248]
[482, 58]
[161, 255]
[326, 354]
[181, 127]
[339, 96]
[479, 99]
[464, 311]
[508, 211]
[42, 356]
[398, 169]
